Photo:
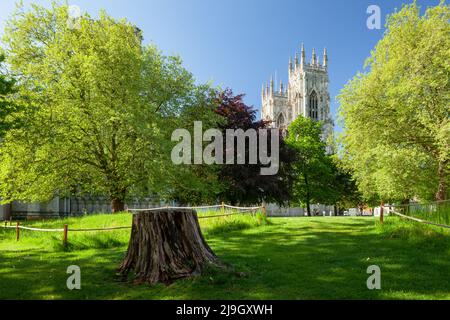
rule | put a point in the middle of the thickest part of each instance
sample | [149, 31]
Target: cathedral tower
[305, 94]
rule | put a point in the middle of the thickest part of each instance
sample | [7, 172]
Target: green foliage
[98, 108]
[197, 183]
[314, 183]
[321, 177]
[343, 189]
[6, 106]
[395, 117]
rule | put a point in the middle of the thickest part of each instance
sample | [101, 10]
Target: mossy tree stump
[166, 245]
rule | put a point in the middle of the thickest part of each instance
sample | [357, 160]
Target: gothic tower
[305, 94]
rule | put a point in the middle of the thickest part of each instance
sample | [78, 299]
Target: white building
[306, 94]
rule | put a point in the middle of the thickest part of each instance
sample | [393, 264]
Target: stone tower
[305, 94]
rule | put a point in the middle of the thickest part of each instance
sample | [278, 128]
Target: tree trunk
[117, 205]
[166, 245]
[308, 200]
[442, 188]
[404, 206]
[382, 212]
[308, 208]
[8, 211]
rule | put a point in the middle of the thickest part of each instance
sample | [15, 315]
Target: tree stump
[166, 245]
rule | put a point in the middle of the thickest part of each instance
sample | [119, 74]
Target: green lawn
[290, 258]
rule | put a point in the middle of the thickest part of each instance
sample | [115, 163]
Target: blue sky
[241, 43]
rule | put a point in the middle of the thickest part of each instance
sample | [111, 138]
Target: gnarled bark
[166, 245]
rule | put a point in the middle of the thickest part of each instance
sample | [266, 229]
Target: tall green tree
[6, 106]
[313, 167]
[344, 193]
[97, 107]
[195, 184]
[396, 116]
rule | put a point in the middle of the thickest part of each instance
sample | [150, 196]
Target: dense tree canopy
[194, 184]
[343, 190]
[97, 108]
[7, 107]
[396, 117]
[314, 169]
[234, 183]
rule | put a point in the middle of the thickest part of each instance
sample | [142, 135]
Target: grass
[109, 239]
[437, 212]
[288, 258]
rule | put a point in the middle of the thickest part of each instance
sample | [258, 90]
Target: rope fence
[66, 229]
[420, 220]
[417, 204]
[197, 207]
[219, 215]
[41, 230]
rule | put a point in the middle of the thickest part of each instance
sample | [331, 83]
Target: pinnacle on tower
[281, 87]
[314, 57]
[296, 60]
[290, 64]
[303, 55]
[271, 84]
[325, 58]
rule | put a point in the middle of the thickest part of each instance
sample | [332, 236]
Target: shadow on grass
[291, 259]
[314, 263]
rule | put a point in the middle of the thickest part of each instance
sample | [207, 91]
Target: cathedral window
[313, 106]
[280, 121]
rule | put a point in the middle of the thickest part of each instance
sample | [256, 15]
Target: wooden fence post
[10, 221]
[223, 207]
[264, 211]
[17, 231]
[65, 235]
[382, 212]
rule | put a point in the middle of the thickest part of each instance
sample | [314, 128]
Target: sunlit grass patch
[113, 238]
[288, 258]
[414, 232]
